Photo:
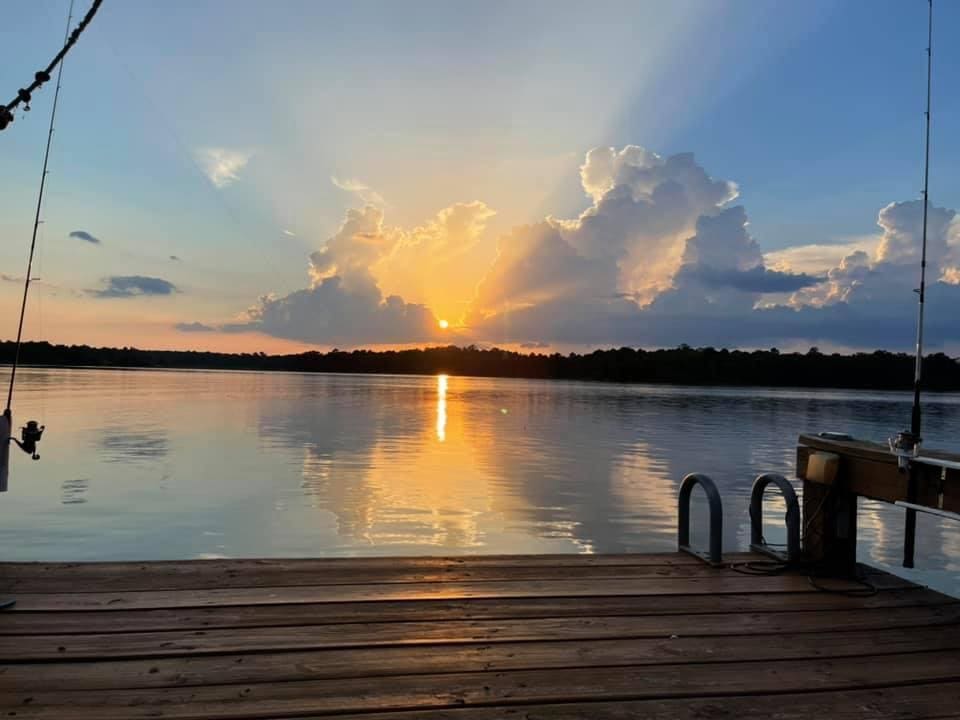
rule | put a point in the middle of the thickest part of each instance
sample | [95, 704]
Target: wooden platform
[481, 638]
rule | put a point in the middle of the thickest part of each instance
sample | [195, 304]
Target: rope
[42, 76]
[775, 567]
[812, 570]
[43, 182]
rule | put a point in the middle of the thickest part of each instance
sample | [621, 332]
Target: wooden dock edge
[836, 473]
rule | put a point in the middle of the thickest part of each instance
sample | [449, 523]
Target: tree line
[682, 365]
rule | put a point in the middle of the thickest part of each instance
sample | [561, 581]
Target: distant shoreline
[878, 370]
[752, 386]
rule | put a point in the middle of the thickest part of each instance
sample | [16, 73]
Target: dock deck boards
[472, 638]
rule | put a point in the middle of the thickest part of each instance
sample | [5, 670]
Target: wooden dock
[480, 638]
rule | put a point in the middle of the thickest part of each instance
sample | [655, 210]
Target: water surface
[178, 464]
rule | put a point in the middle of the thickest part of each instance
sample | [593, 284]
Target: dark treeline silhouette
[682, 365]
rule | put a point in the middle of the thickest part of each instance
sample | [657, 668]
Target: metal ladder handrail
[792, 518]
[715, 555]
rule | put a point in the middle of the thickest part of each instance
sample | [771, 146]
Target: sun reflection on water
[441, 407]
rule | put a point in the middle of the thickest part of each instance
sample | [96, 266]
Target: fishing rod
[24, 95]
[32, 432]
[906, 446]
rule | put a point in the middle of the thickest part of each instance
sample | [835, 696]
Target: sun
[443, 324]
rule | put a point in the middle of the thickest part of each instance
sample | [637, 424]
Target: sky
[248, 176]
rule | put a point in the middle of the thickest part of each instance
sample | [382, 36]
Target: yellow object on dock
[575, 637]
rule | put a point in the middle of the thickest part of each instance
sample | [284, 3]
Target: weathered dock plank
[516, 687]
[428, 659]
[181, 576]
[302, 614]
[915, 702]
[323, 637]
[572, 637]
[717, 583]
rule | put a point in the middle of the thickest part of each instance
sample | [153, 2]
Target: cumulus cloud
[222, 165]
[535, 265]
[360, 242]
[358, 188]
[817, 258]
[644, 209]
[902, 226]
[661, 256]
[755, 280]
[657, 226]
[439, 262]
[333, 313]
[344, 304]
[882, 282]
[127, 286]
[193, 327]
[85, 236]
[723, 266]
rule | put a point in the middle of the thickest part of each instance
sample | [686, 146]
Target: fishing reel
[30, 435]
[905, 446]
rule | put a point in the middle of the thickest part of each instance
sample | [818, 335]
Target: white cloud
[360, 242]
[644, 209]
[723, 269]
[902, 225]
[360, 189]
[880, 279]
[652, 219]
[331, 312]
[660, 257]
[344, 304]
[440, 262]
[818, 258]
[222, 165]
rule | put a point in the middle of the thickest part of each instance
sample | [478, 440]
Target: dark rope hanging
[24, 94]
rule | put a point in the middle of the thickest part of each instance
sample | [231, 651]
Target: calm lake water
[156, 464]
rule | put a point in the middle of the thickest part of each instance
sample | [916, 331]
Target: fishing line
[68, 42]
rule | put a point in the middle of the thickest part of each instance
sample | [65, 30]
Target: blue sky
[410, 109]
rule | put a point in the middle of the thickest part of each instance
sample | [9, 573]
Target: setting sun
[443, 324]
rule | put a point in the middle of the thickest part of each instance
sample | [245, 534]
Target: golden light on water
[443, 326]
[441, 407]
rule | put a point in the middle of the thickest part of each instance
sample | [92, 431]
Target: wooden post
[6, 428]
[829, 513]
